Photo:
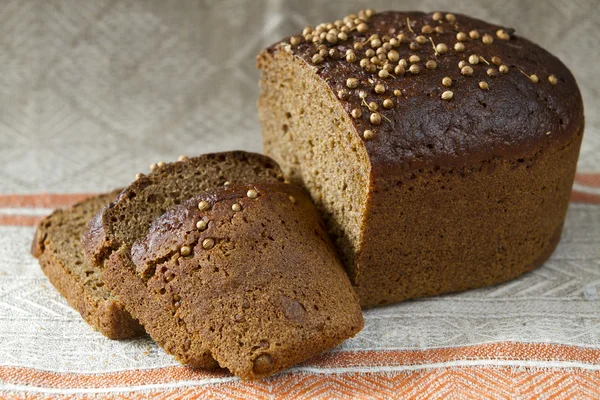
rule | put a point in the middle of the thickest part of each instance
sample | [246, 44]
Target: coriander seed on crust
[447, 95]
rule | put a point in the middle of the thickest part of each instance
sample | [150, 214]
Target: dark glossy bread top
[513, 114]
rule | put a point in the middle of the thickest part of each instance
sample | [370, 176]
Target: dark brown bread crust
[510, 119]
[261, 289]
[458, 193]
[57, 245]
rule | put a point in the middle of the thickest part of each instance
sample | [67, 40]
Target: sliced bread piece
[57, 245]
[245, 275]
[116, 227]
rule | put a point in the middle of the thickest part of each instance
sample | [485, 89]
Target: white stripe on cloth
[25, 211]
[585, 189]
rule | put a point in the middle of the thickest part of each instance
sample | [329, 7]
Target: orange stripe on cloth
[497, 351]
[19, 220]
[588, 179]
[342, 362]
[41, 200]
[581, 197]
[464, 382]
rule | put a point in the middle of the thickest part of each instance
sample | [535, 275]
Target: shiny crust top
[508, 98]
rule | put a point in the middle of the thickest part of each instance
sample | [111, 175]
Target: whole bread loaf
[441, 149]
[243, 276]
[57, 245]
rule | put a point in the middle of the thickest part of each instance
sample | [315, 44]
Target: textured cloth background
[92, 92]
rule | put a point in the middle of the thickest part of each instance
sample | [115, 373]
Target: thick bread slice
[57, 245]
[249, 278]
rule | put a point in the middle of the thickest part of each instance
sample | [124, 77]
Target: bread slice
[57, 245]
[120, 224]
[244, 275]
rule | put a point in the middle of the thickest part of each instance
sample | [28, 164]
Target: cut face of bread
[244, 275]
[440, 149]
[57, 245]
[309, 132]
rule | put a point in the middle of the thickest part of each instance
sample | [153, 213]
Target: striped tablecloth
[93, 92]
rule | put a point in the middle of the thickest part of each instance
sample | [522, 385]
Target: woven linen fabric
[92, 92]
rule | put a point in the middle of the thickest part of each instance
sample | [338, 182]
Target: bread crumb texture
[57, 245]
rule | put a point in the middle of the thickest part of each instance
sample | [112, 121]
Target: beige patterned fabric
[92, 92]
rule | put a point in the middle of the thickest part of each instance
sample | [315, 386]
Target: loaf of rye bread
[244, 275]
[57, 245]
[441, 149]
